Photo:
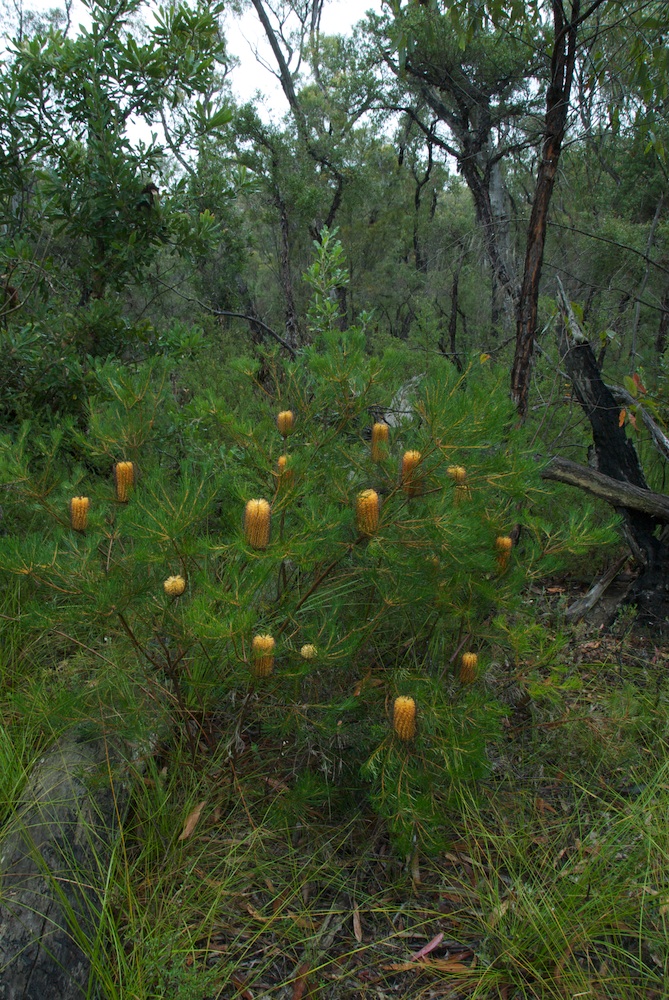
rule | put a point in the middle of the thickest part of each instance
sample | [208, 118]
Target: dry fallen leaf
[301, 989]
[440, 964]
[191, 821]
[357, 926]
[430, 946]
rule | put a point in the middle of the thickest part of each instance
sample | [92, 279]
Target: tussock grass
[555, 883]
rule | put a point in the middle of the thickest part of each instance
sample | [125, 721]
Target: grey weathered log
[54, 857]
[614, 491]
[580, 607]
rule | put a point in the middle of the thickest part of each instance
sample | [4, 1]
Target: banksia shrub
[263, 655]
[503, 544]
[174, 586]
[285, 422]
[124, 480]
[404, 718]
[285, 474]
[412, 482]
[308, 651]
[367, 512]
[379, 441]
[257, 521]
[79, 513]
[468, 666]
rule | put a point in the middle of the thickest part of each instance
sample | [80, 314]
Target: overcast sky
[245, 35]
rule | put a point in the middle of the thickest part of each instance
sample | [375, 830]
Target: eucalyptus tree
[484, 70]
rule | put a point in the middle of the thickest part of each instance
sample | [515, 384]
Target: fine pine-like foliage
[191, 595]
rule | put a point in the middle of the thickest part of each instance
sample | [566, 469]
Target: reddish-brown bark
[557, 107]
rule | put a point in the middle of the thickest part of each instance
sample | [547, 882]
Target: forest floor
[554, 883]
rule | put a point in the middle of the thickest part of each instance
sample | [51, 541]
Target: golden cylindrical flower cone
[412, 481]
[503, 544]
[79, 513]
[308, 651]
[404, 718]
[468, 668]
[174, 586]
[284, 471]
[257, 520]
[458, 474]
[124, 480]
[379, 441]
[367, 508]
[263, 647]
[285, 421]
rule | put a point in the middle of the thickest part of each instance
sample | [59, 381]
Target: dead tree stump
[54, 857]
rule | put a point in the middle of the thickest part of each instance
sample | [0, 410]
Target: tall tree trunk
[557, 107]
[479, 185]
[646, 275]
[503, 306]
[663, 328]
[292, 325]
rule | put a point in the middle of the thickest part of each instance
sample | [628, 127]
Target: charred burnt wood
[616, 458]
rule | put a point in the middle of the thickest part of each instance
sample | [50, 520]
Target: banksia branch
[263, 655]
[503, 544]
[174, 586]
[412, 482]
[404, 718]
[285, 421]
[458, 474]
[468, 668]
[308, 651]
[124, 480]
[257, 523]
[379, 441]
[79, 513]
[367, 512]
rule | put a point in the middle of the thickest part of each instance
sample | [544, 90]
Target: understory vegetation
[273, 525]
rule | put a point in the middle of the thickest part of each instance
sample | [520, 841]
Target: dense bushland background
[162, 299]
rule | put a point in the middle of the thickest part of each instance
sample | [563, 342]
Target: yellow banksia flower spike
[379, 441]
[468, 668]
[285, 421]
[412, 481]
[124, 480]
[285, 473]
[503, 544]
[79, 513]
[257, 519]
[308, 651]
[367, 508]
[458, 474]
[404, 718]
[174, 586]
[263, 647]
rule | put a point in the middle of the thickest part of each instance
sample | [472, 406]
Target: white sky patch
[245, 36]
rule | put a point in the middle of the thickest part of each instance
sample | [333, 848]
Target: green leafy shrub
[382, 609]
